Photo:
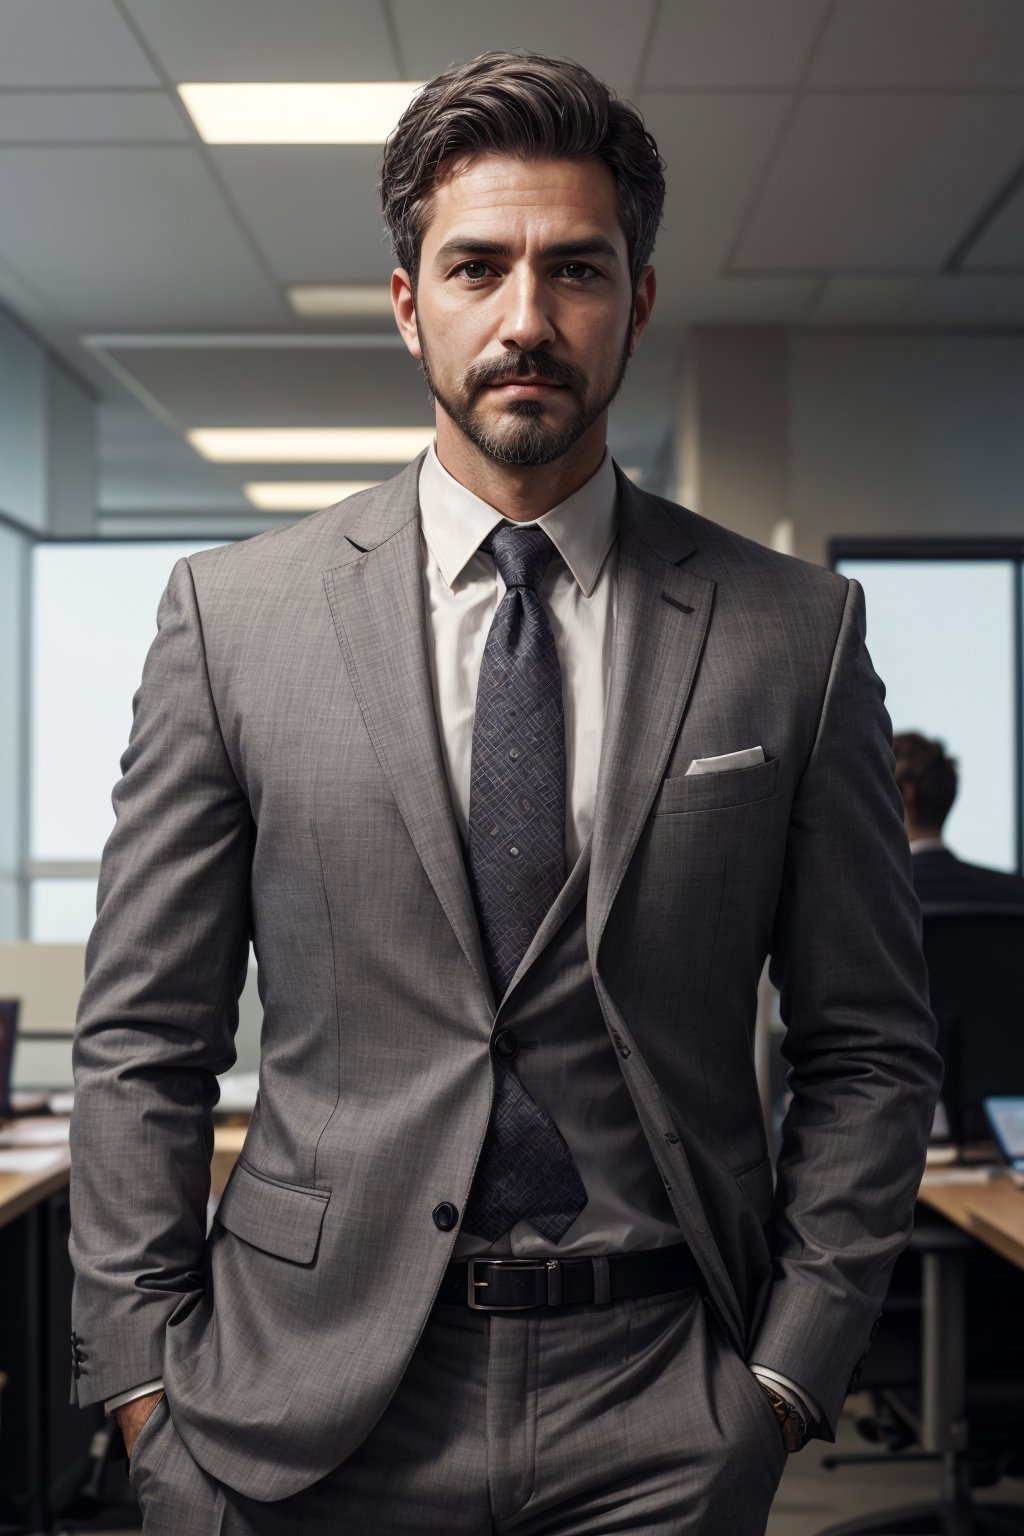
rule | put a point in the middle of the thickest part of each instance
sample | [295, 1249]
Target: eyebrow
[565, 250]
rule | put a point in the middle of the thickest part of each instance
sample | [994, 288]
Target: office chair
[962, 1400]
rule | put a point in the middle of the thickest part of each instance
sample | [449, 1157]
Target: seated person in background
[928, 783]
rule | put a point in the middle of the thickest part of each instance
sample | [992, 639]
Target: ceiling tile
[865, 300]
[68, 42]
[596, 33]
[55, 117]
[922, 44]
[707, 189]
[120, 238]
[1002, 244]
[281, 386]
[314, 209]
[881, 182]
[984, 302]
[732, 43]
[230, 40]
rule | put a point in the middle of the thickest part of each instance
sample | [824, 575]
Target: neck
[917, 834]
[519, 493]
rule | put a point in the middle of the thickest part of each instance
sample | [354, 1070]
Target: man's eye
[578, 271]
[474, 270]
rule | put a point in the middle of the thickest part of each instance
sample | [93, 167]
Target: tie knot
[522, 555]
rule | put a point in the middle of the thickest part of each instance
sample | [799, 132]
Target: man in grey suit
[514, 775]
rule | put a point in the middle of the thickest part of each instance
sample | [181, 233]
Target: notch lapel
[662, 618]
[376, 600]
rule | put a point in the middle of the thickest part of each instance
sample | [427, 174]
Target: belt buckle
[552, 1267]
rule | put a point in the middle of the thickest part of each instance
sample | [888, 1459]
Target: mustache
[521, 365]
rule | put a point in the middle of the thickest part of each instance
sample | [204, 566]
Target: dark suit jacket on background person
[940, 877]
[284, 779]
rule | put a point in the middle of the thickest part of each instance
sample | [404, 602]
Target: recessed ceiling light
[302, 495]
[310, 445]
[355, 301]
[349, 112]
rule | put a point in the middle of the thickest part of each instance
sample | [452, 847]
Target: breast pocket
[717, 791]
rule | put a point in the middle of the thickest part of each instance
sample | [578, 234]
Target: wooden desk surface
[992, 1212]
[19, 1192]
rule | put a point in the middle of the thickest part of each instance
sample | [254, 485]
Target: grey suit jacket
[284, 780]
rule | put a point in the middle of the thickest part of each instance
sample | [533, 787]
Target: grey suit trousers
[636, 1417]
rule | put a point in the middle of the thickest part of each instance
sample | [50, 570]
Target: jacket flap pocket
[716, 791]
[282, 1219]
[758, 1184]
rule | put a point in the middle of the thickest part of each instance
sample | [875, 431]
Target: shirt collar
[927, 845]
[455, 522]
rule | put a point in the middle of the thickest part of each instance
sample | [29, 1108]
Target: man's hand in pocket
[131, 1417]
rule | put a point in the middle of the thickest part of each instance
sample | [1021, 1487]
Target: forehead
[483, 193]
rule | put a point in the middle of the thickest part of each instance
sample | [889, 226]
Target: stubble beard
[523, 439]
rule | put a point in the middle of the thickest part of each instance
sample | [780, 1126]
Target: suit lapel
[662, 617]
[376, 600]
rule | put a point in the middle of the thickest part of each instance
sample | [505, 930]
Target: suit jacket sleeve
[846, 957]
[164, 968]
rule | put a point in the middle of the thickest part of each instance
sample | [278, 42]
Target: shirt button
[514, 754]
[514, 851]
[506, 1043]
[445, 1215]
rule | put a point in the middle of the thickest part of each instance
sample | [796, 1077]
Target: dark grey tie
[517, 865]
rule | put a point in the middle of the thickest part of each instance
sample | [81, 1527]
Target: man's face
[523, 314]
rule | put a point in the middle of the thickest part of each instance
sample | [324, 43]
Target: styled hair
[530, 108]
[924, 764]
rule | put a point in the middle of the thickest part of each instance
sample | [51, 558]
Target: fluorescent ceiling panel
[310, 445]
[351, 301]
[302, 495]
[352, 112]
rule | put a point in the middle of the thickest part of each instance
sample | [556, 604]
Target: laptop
[1006, 1117]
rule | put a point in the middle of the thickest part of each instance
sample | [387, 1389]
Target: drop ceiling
[831, 163]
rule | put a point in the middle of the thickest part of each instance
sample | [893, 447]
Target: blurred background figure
[928, 781]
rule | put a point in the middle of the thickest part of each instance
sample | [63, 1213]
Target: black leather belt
[513, 1285]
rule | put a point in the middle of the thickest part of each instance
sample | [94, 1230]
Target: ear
[642, 306]
[403, 302]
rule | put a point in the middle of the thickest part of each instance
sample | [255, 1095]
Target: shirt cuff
[801, 1400]
[129, 1396]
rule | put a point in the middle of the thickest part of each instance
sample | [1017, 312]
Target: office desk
[43, 1435]
[993, 1213]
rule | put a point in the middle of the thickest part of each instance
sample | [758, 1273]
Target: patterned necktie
[517, 865]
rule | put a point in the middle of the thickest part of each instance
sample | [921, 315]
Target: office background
[835, 366]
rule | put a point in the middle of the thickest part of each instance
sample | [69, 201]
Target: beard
[523, 438]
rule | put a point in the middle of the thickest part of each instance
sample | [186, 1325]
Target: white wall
[917, 435]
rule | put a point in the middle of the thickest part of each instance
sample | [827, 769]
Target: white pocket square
[748, 758]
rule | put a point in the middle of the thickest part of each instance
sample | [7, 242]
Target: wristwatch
[791, 1422]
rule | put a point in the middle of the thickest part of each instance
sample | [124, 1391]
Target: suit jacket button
[506, 1044]
[446, 1215]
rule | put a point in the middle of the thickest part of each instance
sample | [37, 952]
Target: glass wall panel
[61, 911]
[941, 635]
[93, 619]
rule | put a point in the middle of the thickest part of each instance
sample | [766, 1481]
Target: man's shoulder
[315, 542]
[732, 559]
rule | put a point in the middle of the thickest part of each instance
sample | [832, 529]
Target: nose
[526, 323]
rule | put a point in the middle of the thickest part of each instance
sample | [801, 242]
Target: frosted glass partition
[93, 619]
[942, 636]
